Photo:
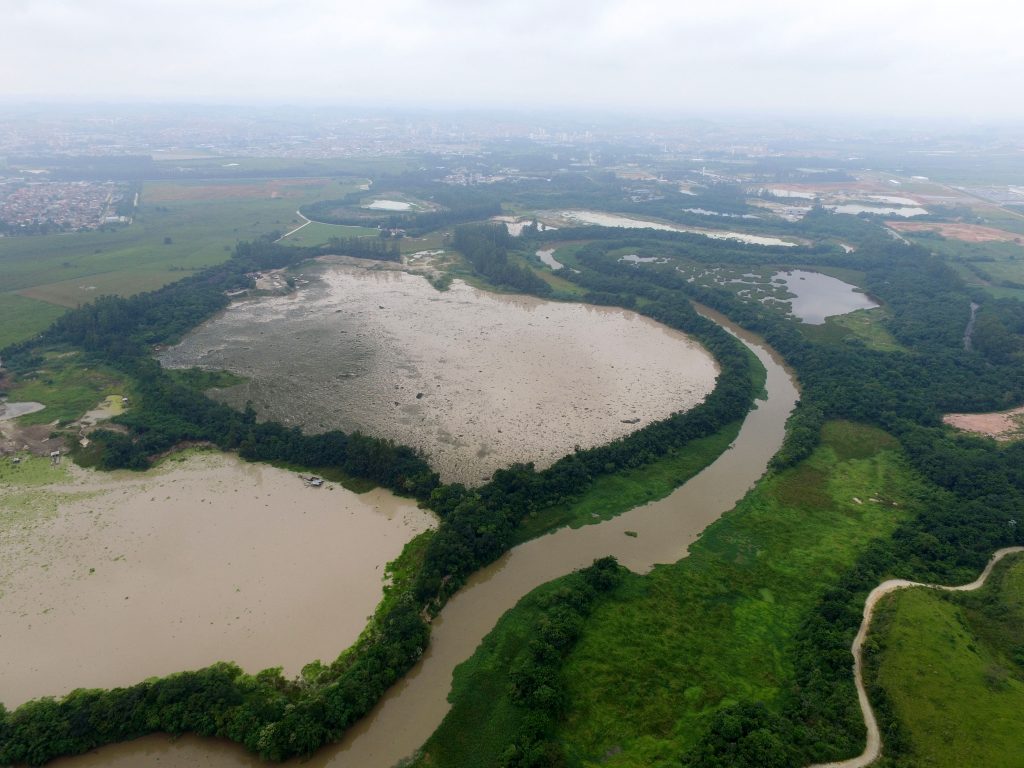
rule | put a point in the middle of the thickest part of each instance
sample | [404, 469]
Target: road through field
[873, 748]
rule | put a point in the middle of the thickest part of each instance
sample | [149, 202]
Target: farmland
[179, 227]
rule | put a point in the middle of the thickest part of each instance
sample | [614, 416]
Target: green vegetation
[507, 696]
[202, 380]
[67, 384]
[317, 233]
[666, 651]
[203, 220]
[866, 325]
[611, 495]
[950, 668]
[30, 471]
[21, 317]
[675, 647]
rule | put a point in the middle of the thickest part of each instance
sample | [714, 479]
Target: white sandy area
[205, 559]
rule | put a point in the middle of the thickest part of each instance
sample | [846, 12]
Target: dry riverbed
[106, 579]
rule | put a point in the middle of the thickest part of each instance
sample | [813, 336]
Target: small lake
[818, 296]
[601, 219]
[547, 257]
[516, 224]
[792, 193]
[389, 205]
[893, 200]
[706, 212]
[10, 411]
[853, 209]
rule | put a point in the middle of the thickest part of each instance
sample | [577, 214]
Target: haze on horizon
[876, 59]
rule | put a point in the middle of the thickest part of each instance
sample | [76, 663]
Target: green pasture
[952, 667]
[67, 385]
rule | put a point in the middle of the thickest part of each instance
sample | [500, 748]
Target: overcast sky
[905, 58]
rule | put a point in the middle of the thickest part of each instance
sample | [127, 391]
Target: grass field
[179, 227]
[867, 325]
[989, 264]
[317, 233]
[715, 628]
[953, 668]
[21, 317]
[672, 647]
[67, 386]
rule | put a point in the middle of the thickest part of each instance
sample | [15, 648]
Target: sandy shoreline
[107, 579]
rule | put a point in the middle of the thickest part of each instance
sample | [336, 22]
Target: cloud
[789, 56]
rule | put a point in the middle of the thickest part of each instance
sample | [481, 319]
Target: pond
[602, 219]
[818, 296]
[389, 205]
[853, 209]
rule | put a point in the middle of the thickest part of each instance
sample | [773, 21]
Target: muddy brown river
[475, 380]
[415, 706]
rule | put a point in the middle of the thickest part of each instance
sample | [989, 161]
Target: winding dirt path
[292, 232]
[873, 749]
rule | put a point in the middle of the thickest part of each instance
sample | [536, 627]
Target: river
[415, 706]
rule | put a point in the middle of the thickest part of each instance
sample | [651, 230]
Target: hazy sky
[905, 58]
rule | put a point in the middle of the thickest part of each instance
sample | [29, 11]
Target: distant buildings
[40, 207]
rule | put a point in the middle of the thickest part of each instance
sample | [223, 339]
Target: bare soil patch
[1004, 425]
[968, 233]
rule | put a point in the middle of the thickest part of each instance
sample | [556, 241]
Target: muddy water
[602, 219]
[9, 411]
[475, 380]
[547, 256]
[817, 296]
[415, 706]
[128, 576]
[856, 208]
